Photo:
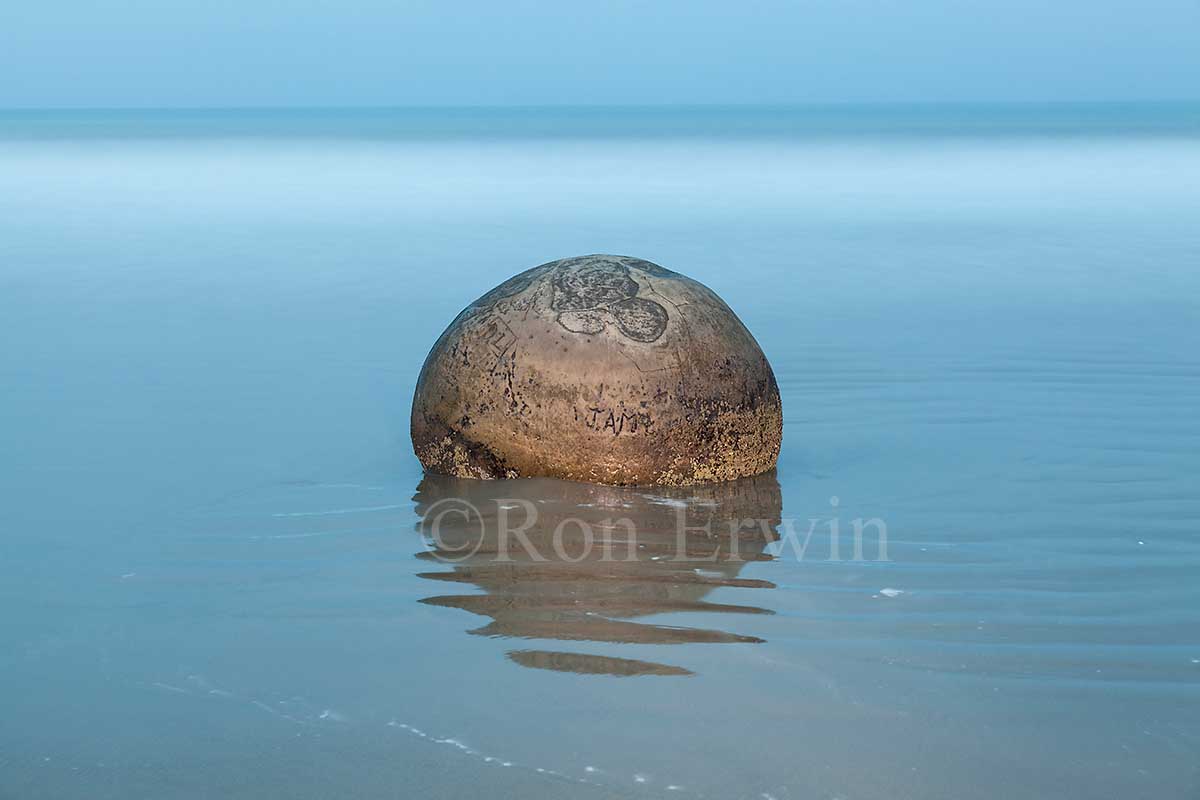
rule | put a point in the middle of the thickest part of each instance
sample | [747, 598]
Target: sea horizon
[953, 120]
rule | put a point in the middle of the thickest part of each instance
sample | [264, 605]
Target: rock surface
[605, 369]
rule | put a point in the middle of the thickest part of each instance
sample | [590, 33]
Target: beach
[984, 325]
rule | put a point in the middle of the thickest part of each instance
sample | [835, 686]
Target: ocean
[985, 325]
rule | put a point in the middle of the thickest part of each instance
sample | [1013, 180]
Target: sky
[230, 53]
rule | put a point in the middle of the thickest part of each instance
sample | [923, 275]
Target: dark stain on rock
[587, 299]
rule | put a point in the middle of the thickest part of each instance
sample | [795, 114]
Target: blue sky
[202, 53]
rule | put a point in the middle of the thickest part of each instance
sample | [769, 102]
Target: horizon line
[848, 104]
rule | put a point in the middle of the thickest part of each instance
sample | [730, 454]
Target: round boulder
[605, 369]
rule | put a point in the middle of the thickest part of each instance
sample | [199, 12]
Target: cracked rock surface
[601, 368]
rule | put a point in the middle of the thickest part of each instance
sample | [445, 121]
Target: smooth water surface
[215, 581]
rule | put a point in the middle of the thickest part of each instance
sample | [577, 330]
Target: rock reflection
[593, 560]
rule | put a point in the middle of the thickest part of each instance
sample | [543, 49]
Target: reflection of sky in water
[212, 580]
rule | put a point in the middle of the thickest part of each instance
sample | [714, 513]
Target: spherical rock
[605, 369]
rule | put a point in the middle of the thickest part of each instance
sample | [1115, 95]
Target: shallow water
[216, 583]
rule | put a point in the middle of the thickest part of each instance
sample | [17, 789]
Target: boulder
[604, 369]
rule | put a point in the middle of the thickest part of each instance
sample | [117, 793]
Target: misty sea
[985, 325]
